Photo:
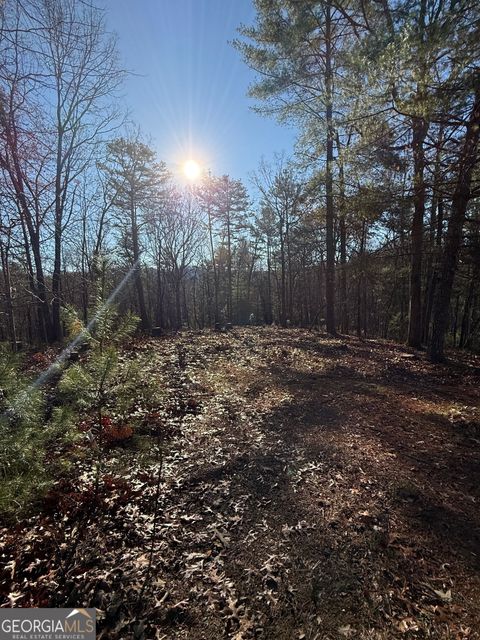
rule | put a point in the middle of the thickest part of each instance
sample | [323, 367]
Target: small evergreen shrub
[36, 427]
[24, 438]
[97, 385]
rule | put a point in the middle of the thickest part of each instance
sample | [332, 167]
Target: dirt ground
[289, 487]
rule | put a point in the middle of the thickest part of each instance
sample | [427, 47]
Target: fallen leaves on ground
[310, 488]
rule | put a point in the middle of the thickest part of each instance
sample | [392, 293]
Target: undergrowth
[39, 424]
[25, 437]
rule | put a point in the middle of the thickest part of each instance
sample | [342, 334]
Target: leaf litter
[310, 488]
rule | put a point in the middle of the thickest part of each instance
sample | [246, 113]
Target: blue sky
[189, 91]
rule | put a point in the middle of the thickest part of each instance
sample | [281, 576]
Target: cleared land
[309, 488]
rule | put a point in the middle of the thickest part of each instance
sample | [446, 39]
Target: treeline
[372, 228]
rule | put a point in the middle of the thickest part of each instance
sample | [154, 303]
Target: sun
[191, 170]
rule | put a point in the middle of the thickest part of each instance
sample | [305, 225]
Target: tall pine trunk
[434, 240]
[343, 244]
[229, 269]
[420, 128]
[453, 238]
[419, 132]
[330, 275]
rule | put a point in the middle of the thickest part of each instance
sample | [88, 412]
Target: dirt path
[311, 488]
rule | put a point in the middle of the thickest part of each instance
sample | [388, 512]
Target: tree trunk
[57, 262]
[434, 242]
[229, 269]
[453, 239]
[360, 284]
[330, 275]
[269, 314]
[420, 128]
[178, 302]
[465, 327]
[40, 289]
[4, 251]
[215, 271]
[343, 244]
[283, 283]
[137, 274]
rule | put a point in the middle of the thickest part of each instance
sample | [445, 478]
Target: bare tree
[281, 195]
[80, 58]
[181, 237]
[59, 73]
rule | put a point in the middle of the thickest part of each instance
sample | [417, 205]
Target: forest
[244, 406]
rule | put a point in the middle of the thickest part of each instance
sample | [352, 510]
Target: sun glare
[192, 170]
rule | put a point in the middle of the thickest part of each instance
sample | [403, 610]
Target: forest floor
[310, 488]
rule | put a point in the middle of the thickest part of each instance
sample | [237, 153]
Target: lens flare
[192, 170]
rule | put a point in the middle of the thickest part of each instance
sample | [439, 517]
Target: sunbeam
[64, 355]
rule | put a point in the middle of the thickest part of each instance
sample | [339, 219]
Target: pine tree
[135, 179]
[294, 47]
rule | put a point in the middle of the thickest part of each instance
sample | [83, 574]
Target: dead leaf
[445, 596]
